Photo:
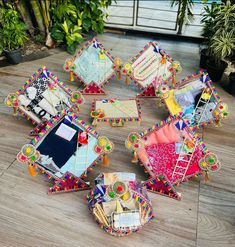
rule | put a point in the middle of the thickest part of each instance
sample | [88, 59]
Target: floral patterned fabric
[163, 158]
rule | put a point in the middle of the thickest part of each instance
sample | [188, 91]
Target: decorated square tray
[172, 152]
[116, 113]
[42, 97]
[65, 151]
[150, 68]
[92, 65]
[195, 99]
[119, 204]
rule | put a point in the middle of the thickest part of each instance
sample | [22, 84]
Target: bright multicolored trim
[191, 130]
[78, 54]
[125, 231]
[125, 119]
[48, 127]
[162, 53]
[33, 78]
[204, 76]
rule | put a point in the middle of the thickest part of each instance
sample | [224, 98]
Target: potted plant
[231, 85]
[208, 17]
[12, 34]
[220, 48]
[219, 31]
[185, 14]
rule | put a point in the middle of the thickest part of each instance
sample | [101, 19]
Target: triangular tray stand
[93, 88]
[162, 186]
[148, 92]
[68, 183]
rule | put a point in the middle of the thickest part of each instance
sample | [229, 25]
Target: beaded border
[125, 119]
[78, 53]
[49, 126]
[191, 130]
[162, 53]
[198, 75]
[33, 77]
[127, 231]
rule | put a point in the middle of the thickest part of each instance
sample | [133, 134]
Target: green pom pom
[76, 96]
[211, 160]
[133, 138]
[33, 158]
[112, 194]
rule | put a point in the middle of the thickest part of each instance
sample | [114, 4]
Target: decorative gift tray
[171, 152]
[92, 65]
[42, 97]
[119, 204]
[65, 151]
[150, 68]
[194, 99]
[116, 113]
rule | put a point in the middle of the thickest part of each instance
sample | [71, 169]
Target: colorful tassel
[206, 177]
[135, 158]
[218, 123]
[105, 160]
[127, 81]
[119, 75]
[32, 171]
[94, 122]
[174, 80]
[71, 76]
[14, 111]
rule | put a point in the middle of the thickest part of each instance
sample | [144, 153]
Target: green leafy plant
[185, 14]
[12, 30]
[208, 18]
[71, 19]
[219, 30]
[222, 45]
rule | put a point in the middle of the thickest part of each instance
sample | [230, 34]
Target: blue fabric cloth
[57, 147]
[185, 99]
[91, 68]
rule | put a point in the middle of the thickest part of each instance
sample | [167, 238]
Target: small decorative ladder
[184, 158]
[203, 108]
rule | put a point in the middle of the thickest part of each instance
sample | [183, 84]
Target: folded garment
[185, 99]
[205, 113]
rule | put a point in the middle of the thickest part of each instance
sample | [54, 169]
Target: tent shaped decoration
[171, 152]
[116, 113]
[42, 97]
[92, 65]
[119, 204]
[150, 68]
[65, 151]
[194, 99]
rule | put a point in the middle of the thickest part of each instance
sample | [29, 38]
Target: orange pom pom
[127, 80]
[71, 76]
[135, 158]
[119, 75]
[32, 171]
[105, 160]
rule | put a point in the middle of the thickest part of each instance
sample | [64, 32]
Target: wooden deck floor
[29, 217]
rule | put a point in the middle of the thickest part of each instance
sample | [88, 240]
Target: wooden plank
[216, 217]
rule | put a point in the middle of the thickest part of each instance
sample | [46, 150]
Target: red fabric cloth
[163, 158]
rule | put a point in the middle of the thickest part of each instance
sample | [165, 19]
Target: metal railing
[153, 16]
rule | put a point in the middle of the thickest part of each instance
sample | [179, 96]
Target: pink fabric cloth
[163, 158]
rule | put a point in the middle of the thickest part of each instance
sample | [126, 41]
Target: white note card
[65, 132]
